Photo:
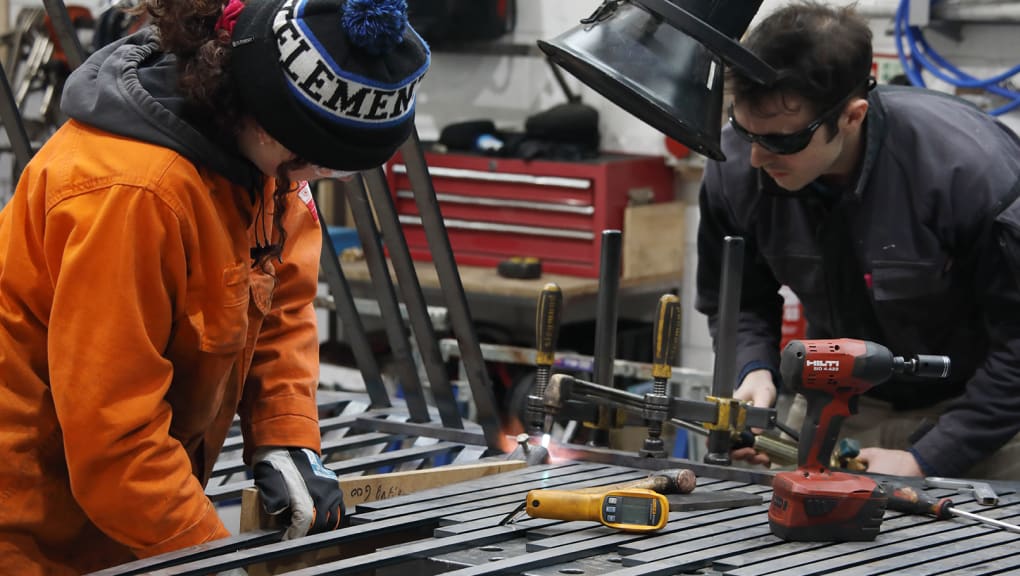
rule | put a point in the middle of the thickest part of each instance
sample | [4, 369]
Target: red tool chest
[495, 208]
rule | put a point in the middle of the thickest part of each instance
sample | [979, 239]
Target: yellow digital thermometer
[627, 509]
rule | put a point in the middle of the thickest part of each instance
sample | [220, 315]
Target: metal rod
[15, 126]
[725, 371]
[347, 315]
[607, 310]
[453, 291]
[414, 299]
[386, 295]
[66, 34]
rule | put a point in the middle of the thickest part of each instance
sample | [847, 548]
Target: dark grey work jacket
[934, 221]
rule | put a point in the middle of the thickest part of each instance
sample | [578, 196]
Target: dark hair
[187, 29]
[821, 53]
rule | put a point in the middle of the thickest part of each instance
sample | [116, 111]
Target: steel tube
[724, 374]
[414, 299]
[386, 295]
[453, 291]
[607, 310]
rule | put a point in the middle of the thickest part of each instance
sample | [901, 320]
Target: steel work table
[456, 530]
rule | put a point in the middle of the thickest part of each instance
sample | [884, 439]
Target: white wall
[508, 89]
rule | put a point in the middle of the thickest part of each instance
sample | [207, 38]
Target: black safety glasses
[785, 144]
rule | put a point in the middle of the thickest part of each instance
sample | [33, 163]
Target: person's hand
[293, 482]
[891, 462]
[758, 389]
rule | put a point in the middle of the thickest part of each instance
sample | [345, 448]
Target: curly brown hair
[187, 29]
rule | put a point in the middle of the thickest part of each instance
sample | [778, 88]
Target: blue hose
[922, 57]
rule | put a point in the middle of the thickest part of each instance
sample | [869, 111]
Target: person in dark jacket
[892, 214]
[158, 267]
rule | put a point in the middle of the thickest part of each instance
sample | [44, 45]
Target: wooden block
[653, 240]
[356, 491]
[371, 488]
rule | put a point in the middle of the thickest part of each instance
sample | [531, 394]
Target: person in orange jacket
[158, 263]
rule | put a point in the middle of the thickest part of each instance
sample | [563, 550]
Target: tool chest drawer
[495, 208]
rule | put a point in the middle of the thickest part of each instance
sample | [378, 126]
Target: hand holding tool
[666, 338]
[983, 492]
[547, 327]
[903, 498]
[628, 509]
[814, 503]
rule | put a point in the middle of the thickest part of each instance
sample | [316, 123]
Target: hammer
[983, 491]
[672, 481]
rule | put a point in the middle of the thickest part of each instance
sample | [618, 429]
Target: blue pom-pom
[375, 26]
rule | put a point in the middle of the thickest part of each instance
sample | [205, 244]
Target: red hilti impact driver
[814, 503]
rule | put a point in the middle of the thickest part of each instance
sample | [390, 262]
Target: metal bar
[725, 372]
[325, 425]
[606, 312]
[492, 495]
[347, 315]
[213, 549]
[505, 480]
[607, 307]
[917, 532]
[431, 430]
[233, 490]
[328, 447]
[617, 458]
[506, 177]
[66, 34]
[578, 362]
[977, 550]
[458, 224]
[15, 127]
[532, 560]
[453, 291]
[568, 208]
[414, 299]
[386, 295]
[897, 545]
[366, 307]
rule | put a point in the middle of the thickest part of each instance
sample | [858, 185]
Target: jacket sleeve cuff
[209, 527]
[290, 430]
[939, 455]
[758, 365]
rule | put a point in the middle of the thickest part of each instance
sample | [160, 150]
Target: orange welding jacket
[132, 329]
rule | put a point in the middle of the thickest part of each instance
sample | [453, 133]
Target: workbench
[456, 530]
[509, 304]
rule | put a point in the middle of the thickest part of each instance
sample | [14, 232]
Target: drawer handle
[582, 209]
[510, 228]
[464, 174]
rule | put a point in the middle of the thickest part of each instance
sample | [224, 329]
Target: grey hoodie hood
[129, 88]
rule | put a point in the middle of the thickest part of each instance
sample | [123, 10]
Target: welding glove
[295, 485]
